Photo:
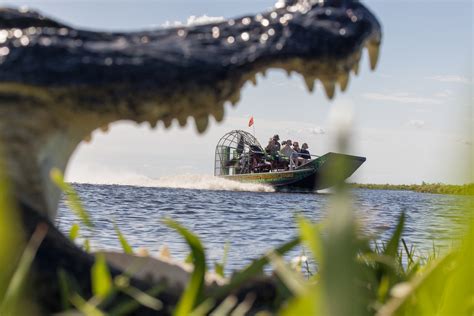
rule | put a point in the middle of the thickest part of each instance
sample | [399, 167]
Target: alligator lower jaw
[41, 127]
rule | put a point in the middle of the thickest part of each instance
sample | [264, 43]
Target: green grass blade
[244, 307]
[143, 298]
[85, 307]
[64, 289]
[11, 300]
[74, 232]
[204, 308]
[392, 245]
[290, 278]
[101, 278]
[137, 299]
[125, 245]
[72, 197]
[254, 269]
[310, 235]
[219, 268]
[406, 291]
[193, 292]
[409, 253]
[225, 307]
[87, 245]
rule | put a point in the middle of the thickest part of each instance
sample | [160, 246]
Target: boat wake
[183, 181]
[208, 182]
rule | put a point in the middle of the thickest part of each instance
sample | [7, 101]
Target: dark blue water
[252, 222]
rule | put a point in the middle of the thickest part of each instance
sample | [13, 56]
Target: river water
[251, 221]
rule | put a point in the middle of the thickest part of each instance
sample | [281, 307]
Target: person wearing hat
[276, 138]
[304, 153]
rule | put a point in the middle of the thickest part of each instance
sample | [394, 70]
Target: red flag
[251, 121]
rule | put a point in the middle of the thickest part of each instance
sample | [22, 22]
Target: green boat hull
[318, 174]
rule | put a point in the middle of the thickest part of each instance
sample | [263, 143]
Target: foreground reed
[354, 276]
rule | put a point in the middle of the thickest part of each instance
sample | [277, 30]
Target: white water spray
[183, 181]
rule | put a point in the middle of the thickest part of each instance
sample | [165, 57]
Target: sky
[412, 118]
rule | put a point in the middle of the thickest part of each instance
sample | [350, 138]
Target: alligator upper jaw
[58, 84]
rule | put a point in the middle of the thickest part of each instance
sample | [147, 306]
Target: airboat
[240, 157]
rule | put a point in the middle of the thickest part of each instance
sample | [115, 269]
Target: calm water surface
[251, 222]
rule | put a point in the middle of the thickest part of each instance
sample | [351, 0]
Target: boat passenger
[304, 153]
[273, 154]
[289, 152]
[296, 155]
[276, 138]
[296, 147]
[271, 149]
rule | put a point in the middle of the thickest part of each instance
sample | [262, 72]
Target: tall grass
[16, 255]
[356, 276]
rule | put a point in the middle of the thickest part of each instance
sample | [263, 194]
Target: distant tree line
[437, 188]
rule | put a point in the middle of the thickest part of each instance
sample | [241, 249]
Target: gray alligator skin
[58, 84]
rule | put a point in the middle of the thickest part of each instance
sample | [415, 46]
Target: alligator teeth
[142, 252]
[153, 123]
[355, 68]
[253, 79]
[182, 120]
[164, 252]
[104, 128]
[343, 81]
[329, 87]
[374, 49]
[167, 121]
[218, 113]
[309, 80]
[201, 123]
[235, 98]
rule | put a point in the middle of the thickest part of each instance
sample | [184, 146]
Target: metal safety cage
[233, 153]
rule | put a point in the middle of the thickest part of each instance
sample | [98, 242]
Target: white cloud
[194, 20]
[401, 97]
[317, 131]
[417, 123]
[450, 78]
[308, 130]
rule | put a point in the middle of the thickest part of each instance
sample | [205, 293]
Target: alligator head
[58, 84]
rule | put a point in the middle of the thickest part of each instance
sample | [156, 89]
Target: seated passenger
[276, 139]
[296, 147]
[304, 153]
[296, 155]
[288, 152]
[271, 149]
[272, 152]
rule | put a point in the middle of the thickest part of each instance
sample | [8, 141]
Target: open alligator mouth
[58, 84]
